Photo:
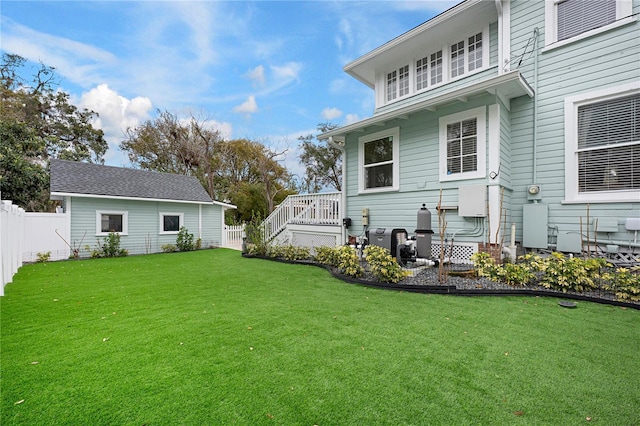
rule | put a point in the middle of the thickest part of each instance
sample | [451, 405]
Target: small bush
[326, 255]
[382, 265]
[255, 233]
[110, 247]
[43, 257]
[625, 283]
[184, 241]
[562, 273]
[348, 262]
[168, 248]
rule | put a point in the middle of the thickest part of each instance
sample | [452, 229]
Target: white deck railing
[305, 209]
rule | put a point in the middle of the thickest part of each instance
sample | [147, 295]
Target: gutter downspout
[535, 105]
[343, 192]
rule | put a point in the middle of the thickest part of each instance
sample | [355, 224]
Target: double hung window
[379, 162]
[603, 146]
[462, 145]
[609, 145]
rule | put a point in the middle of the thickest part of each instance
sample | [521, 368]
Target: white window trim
[395, 134]
[125, 222]
[571, 104]
[162, 215]
[480, 114]
[624, 11]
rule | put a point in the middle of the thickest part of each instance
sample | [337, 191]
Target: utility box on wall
[535, 224]
[472, 201]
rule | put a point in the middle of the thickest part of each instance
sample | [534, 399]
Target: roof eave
[513, 81]
[115, 197]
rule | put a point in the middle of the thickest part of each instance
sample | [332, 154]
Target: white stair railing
[304, 209]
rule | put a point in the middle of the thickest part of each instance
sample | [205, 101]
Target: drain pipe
[339, 144]
[535, 105]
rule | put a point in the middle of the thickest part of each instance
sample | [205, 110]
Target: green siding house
[146, 208]
[520, 118]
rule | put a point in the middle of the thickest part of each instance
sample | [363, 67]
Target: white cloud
[286, 73]
[247, 107]
[351, 118]
[116, 114]
[256, 75]
[331, 113]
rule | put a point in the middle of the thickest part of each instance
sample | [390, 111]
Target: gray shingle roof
[71, 177]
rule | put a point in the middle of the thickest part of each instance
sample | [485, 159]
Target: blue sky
[265, 70]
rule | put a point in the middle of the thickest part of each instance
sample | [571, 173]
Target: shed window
[170, 223]
[111, 221]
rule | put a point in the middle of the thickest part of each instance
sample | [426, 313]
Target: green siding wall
[144, 223]
[604, 60]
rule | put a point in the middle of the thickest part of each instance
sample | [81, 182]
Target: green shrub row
[562, 273]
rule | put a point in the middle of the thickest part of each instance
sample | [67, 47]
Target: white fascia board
[513, 78]
[362, 67]
[447, 14]
[111, 197]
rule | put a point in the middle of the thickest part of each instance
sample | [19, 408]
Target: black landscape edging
[451, 289]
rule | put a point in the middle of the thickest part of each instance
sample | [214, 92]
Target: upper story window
[462, 145]
[603, 145]
[445, 63]
[379, 161]
[576, 19]
[579, 16]
[436, 67]
[467, 51]
[429, 70]
[398, 83]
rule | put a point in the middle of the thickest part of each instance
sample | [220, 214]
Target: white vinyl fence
[233, 236]
[11, 224]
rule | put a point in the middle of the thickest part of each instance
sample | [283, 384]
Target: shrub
[625, 283]
[289, 252]
[184, 241]
[562, 273]
[382, 265]
[168, 248]
[110, 247]
[326, 255]
[348, 262]
[43, 257]
[256, 242]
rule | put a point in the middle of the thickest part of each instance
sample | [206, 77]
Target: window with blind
[462, 145]
[567, 21]
[579, 16]
[608, 136]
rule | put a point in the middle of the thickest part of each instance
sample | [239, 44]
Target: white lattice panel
[458, 253]
[303, 239]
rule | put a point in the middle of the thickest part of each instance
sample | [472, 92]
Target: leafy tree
[243, 172]
[37, 123]
[323, 163]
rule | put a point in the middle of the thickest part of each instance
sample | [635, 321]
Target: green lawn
[211, 338]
